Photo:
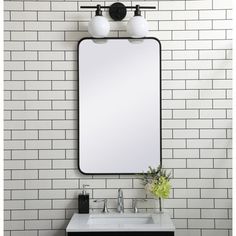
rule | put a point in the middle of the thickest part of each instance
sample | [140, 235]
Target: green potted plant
[157, 182]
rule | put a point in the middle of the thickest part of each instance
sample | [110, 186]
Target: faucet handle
[105, 208]
[134, 203]
[120, 192]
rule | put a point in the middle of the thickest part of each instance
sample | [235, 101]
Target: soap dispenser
[83, 201]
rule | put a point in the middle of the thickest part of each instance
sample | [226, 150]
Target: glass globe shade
[99, 27]
[137, 27]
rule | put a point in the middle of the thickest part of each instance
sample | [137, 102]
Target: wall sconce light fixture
[99, 26]
[137, 26]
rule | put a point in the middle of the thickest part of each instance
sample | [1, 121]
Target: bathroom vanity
[116, 224]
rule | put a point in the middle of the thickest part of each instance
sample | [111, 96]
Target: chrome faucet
[120, 206]
[135, 201]
[105, 208]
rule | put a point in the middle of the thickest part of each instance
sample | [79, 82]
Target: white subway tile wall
[42, 180]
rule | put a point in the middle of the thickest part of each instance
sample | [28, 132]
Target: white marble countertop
[83, 222]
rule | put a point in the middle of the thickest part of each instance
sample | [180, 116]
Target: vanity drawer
[168, 233]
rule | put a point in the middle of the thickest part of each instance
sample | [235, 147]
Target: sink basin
[120, 219]
[125, 222]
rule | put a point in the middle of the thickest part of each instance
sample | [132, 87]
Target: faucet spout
[120, 206]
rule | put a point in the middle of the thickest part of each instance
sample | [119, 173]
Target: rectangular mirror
[119, 105]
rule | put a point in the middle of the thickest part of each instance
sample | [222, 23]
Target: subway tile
[64, 6]
[199, 44]
[24, 233]
[36, 6]
[213, 114]
[42, 180]
[50, 56]
[24, 95]
[177, 5]
[213, 153]
[212, 232]
[11, 145]
[199, 104]
[213, 14]
[201, 223]
[13, 184]
[199, 163]
[23, 75]
[38, 124]
[13, 46]
[38, 184]
[209, 34]
[185, 15]
[51, 16]
[198, 64]
[51, 174]
[186, 153]
[51, 36]
[222, 24]
[38, 144]
[24, 174]
[161, 15]
[171, 25]
[119, 183]
[38, 204]
[213, 173]
[199, 143]
[24, 215]
[51, 154]
[13, 65]
[198, 24]
[200, 203]
[62, 26]
[37, 164]
[51, 75]
[219, 5]
[185, 74]
[187, 193]
[38, 65]
[213, 193]
[14, 225]
[186, 173]
[22, 36]
[51, 214]
[13, 204]
[199, 5]
[11, 6]
[223, 203]
[62, 164]
[223, 183]
[200, 183]
[185, 114]
[24, 194]
[37, 224]
[214, 94]
[11, 25]
[212, 54]
[23, 16]
[51, 194]
[212, 133]
[39, 46]
[211, 74]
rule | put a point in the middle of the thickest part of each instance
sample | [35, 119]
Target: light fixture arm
[118, 10]
[137, 11]
[98, 11]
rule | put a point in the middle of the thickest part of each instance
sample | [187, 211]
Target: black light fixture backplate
[117, 11]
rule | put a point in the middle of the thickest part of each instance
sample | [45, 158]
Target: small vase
[158, 205]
